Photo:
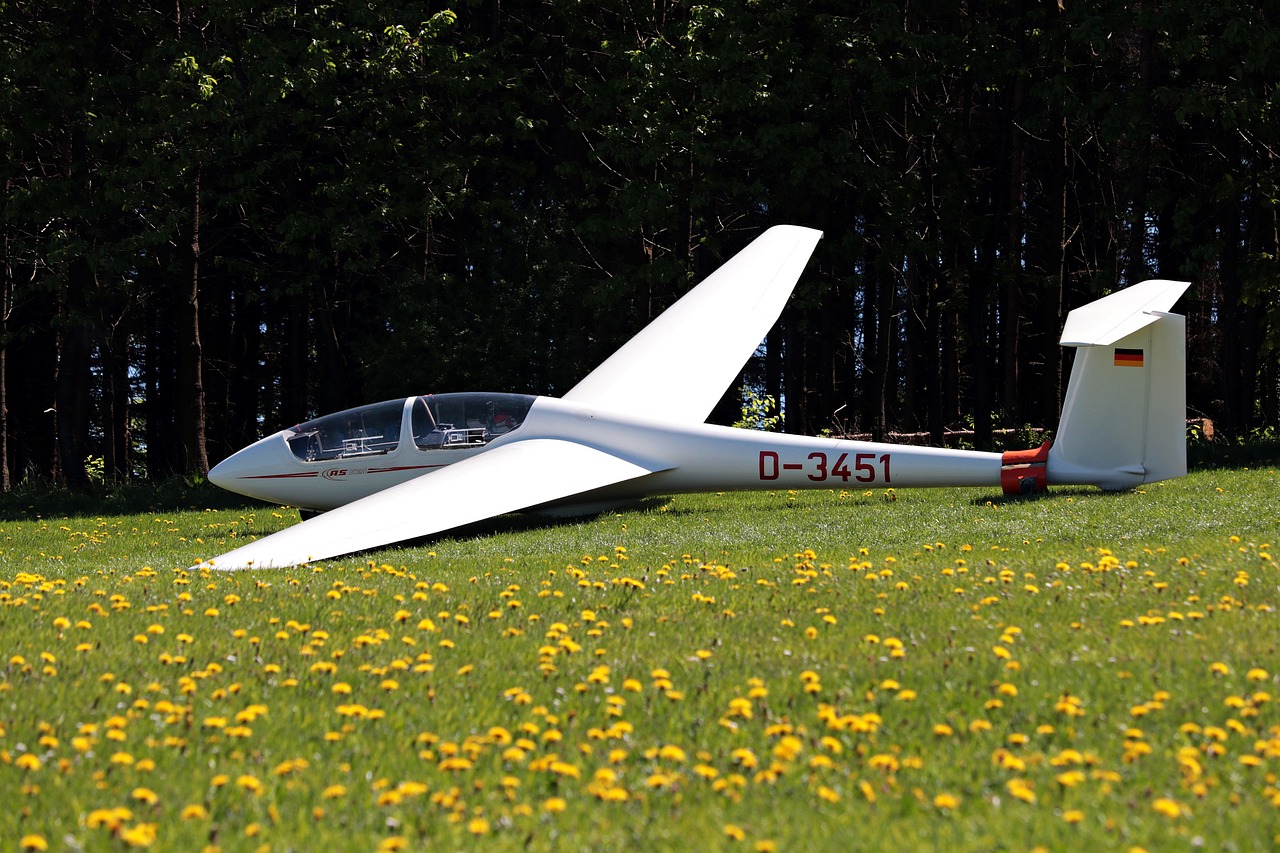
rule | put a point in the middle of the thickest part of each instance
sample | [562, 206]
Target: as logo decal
[340, 473]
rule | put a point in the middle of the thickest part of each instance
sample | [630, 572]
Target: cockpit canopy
[436, 422]
[467, 419]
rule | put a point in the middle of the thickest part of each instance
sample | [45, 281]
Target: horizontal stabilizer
[501, 480]
[1107, 320]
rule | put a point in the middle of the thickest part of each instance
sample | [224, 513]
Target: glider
[634, 427]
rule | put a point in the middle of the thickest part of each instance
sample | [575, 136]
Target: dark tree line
[222, 217]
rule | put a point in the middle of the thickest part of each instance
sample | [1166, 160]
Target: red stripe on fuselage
[301, 475]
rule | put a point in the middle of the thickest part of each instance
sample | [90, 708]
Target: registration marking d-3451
[867, 467]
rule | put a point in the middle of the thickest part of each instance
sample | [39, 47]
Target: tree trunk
[71, 388]
[191, 400]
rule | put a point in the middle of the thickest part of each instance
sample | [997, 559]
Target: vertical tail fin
[1124, 416]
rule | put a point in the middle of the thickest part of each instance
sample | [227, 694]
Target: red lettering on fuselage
[819, 467]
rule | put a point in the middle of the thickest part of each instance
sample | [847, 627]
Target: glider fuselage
[683, 457]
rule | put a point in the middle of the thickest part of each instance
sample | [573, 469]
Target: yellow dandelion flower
[948, 802]
[478, 826]
[252, 784]
[142, 835]
[1073, 815]
[734, 832]
[1021, 789]
[33, 842]
[554, 805]
[195, 811]
[146, 796]
[1070, 778]
[1170, 808]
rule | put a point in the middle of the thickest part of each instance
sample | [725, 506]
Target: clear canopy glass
[436, 422]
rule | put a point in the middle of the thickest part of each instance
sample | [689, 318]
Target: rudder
[1124, 417]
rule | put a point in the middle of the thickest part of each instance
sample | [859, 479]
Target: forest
[222, 217]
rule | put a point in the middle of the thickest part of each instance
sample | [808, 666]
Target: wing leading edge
[503, 479]
[682, 362]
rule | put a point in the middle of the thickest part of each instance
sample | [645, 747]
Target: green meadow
[836, 670]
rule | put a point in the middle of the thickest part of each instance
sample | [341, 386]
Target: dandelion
[146, 796]
[1070, 778]
[1170, 808]
[1021, 789]
[946, 802]
[734, 832]
[249, 783]
[33, 842]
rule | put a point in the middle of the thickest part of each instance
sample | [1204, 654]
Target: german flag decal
[1128, 357]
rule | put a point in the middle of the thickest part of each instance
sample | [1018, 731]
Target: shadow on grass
[1055, 493]
[518, 522]
[32, 500]
[510, 523]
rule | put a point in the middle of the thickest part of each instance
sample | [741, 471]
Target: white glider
[405, 469]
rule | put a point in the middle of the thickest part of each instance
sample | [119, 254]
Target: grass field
[828, 670]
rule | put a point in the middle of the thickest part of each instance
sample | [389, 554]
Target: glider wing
[679, 365]
[504, 479]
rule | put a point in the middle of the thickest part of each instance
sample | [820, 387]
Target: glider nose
[221, 475]
[253, 470]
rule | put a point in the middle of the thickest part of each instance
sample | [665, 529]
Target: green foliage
[759, 411]
[392, 199]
